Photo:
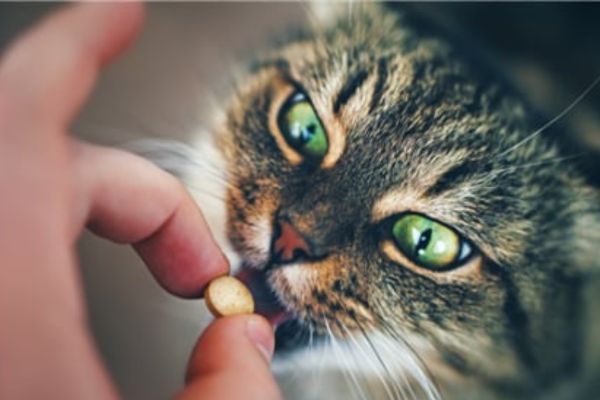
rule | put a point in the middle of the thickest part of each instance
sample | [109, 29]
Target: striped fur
[416, 123]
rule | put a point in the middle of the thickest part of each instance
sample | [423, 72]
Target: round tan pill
[227, 295]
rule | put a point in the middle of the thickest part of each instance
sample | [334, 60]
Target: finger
[230, 361]
[50, 71]
[129, 200]
[44, 339]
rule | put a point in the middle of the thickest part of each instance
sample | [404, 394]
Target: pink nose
[289, 244]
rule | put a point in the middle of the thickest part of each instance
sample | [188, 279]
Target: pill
[227, 295]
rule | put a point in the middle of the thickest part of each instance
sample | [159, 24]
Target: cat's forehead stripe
[349, 89]
[453, 177]
[382, 74]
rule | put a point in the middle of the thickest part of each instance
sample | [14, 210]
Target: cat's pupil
[303, 134]
[308, 133]
[423, 242]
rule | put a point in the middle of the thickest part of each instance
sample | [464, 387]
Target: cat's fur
[417, 123]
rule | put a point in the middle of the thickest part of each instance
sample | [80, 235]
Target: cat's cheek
[294, 284]
[243, 237]
[299, 279]
[258, 237]
[249, 225]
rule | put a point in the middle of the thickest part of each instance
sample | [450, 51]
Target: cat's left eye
[428, 243]
[301, 127]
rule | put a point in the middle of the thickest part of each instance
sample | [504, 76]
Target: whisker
[424, 376]
[548, 124]
[362, 356]
[407, 358]
[321, 365]
[397, 386]
[554, 160]
[348, 373]
[366, 357]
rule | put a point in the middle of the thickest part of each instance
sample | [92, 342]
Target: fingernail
[260, 334]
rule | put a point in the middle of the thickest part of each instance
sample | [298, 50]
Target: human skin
[53, 186]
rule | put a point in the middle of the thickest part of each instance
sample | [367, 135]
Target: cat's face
[382, 182]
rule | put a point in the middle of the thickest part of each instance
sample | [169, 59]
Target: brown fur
[417, 124]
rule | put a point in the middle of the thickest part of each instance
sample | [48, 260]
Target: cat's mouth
[266, 301]
[290, 333]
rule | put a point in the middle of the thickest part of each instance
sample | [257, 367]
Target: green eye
[429, 243]
[302, 128]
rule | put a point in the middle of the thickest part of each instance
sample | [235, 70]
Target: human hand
[52, 186]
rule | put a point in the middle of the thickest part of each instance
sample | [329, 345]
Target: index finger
[127, 199]
[49, 71]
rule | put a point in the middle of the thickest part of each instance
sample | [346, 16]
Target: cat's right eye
[301, 127]
[430, 244]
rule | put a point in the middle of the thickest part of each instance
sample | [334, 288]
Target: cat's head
[382, 180]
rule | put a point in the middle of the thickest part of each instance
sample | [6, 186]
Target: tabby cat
[404, 217]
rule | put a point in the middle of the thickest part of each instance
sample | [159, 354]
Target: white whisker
[348, 372]
[366, 356]
[534, 164]
[417, 367]
[553, 120]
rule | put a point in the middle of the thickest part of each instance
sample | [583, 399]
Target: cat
[404, 216]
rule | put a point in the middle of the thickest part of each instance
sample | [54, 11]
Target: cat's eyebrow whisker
[454, 177]
[554, 160]
[548, 124]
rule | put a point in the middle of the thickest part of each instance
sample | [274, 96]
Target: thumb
[231, 361]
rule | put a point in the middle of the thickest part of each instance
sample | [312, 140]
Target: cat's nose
[288, 244]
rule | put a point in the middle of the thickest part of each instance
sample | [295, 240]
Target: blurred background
[179, 68]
